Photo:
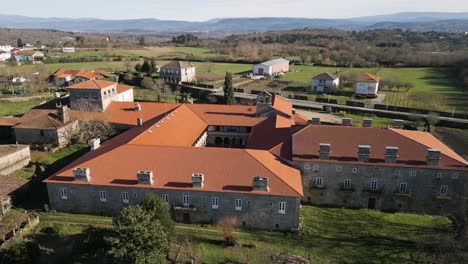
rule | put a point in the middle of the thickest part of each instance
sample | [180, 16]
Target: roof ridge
[263, 165]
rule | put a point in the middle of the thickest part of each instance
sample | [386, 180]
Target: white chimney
[324, 151]
[94, 143]
[137, 107]
[433, 157]
[364, 153]
[260, 184]
[346, 122]
[391, 154]
[315, 121]
[139, 121]
[198, 180]
[145, 177]
[82, 174]
[398, 123]
[367, 122]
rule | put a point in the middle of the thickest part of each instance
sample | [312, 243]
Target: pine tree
[146, 67]
[20, 43]
[229, 90]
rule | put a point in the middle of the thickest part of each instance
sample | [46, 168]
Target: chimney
[324, 151]
[145, 177]
[197, 180]
[398, 123]
[94, 143]
[315, 121]
[260, 184]
[367, 122]
[63, 113]
[139, 121]
[391, 154]
[137, 107]
[82, 174]
[364, 153]
[433, 157]
[346, 122]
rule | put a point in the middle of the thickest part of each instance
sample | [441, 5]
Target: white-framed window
[439, 175]
[186, 199]
[413, 173]
[103, 196]
[215, 203]
[165, 198]
[125, 197]
[347, 184]
[64, 194]
[455, 176]
[374, 184]
[339, 168]
[403, 187]
[319, 182]
[355, 170]
[443, 190]
[306, 166]
[282, 208]
[238, 204]
[316, 167]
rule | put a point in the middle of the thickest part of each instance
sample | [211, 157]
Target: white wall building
[6, 48]
[325, 83]
[367, 84]
[5, 56]
[271, 68]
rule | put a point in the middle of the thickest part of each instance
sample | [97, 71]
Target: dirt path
[328, 118]
[25, 99]
[378, 100]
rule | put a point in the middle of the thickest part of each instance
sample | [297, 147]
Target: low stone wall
[14, 158]
[19, 230]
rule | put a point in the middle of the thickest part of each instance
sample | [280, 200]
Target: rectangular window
[319, 182]
[215, 203]
[64, 194]
[135, 195]
[455, 176]
[413, 173]
[443, 190]
[439, 175]
[103, 196]
[165, 198]
[339, 168]
[374, 184]
[403, 187]
[125, 197]
[282, 207]
[186, 200]
[238, 205]
[204, 199]
[347, 184]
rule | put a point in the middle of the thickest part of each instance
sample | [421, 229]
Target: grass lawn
[330, 236]
[454, 138]
[17, 108]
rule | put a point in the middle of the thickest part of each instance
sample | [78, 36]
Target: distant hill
[447, 22]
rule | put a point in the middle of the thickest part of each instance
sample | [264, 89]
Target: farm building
[271, 68]
[29, 56]
[68, 49]
[325, 83]
[367, 84]
[177, 71]
[5, 56]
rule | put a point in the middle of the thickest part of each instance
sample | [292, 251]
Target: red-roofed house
[367, 84]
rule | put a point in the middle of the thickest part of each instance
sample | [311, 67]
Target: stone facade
[13, 158]
[224, 136]
[177, 72]
[56, 137]
[394, 189]
[92, 100]
[257, 210]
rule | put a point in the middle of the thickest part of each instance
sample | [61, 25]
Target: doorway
[371, 203]
[186, 218]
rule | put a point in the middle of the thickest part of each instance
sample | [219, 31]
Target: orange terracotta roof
[345, 141]
[173, 168]
[282, 105]
[40, 119]
[9, 121]
[181, 127]
[227, 115]
[123, 88]
[30, 53]
[300, 120]
[88, 75]
[93, 85]
[367, 77]
[124, 112]
[269, 133]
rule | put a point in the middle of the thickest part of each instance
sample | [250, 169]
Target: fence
[419, 111]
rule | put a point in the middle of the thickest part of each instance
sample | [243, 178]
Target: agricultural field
[17, 108]
[330, 236]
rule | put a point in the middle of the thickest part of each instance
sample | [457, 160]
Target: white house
[6, 48]
[271, 68]
[68, 49]
[325, 83]
[5, 56]
[29, 55]
[367, 84]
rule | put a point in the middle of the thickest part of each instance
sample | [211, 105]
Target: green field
[17, 108]
[330, 236]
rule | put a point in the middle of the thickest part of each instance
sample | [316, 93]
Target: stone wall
[262, 212]
[422, 194]
[36, 136]
[16, 160]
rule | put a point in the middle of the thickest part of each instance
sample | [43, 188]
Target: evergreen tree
[20, 43]
[138, 67]
[229, 90]
[146, 67]
[160, 211]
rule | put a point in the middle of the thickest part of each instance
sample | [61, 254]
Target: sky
[202, 10]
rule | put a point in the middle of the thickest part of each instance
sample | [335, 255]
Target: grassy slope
[17, 108]
[331, 235]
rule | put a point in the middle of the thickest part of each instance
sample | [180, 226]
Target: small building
[325, 83]
[271, 68]
[177, 71]
[65, 77]
[68, 49]
[29, 56]
[97, 95]
[367, 84]
[5, 56]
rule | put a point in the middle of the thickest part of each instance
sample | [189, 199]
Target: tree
[147, 83]
[146, 67]
[141, 40]
[20, 43]
[229, 90]
[138, 237]
[80, 40]
[160, 211]
[227, 225]
[138, 67]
